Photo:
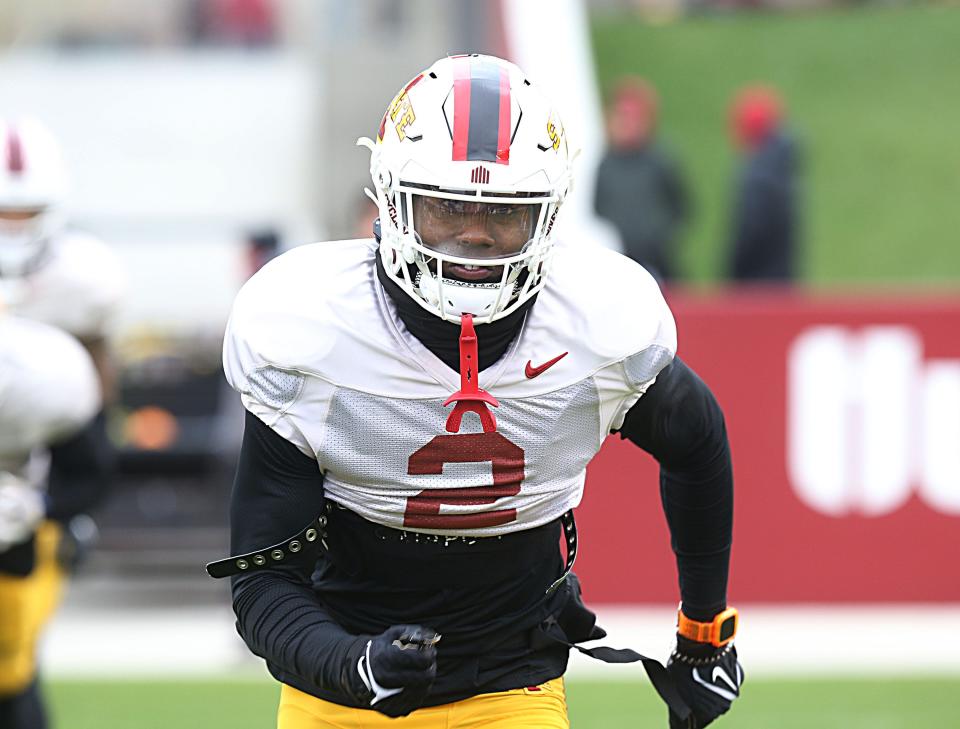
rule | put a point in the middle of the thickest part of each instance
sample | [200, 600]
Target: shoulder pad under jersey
[312, 311]
[286, 315]
[602, 308]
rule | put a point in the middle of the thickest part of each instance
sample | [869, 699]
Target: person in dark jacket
[764, 226]
[640, 187]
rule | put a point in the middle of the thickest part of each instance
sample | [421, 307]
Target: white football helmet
[470, 167]
[32, 188]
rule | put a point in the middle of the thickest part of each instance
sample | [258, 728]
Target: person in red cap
[640, 187]
[765, 217]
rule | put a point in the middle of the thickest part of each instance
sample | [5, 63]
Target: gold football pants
[26, 604]
[539, 707]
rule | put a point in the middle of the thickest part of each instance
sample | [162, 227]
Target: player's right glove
[707, 677]
[398, 667]
[21, 509]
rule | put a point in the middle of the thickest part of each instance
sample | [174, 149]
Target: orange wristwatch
[718, 632]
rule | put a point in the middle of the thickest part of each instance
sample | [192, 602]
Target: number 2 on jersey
[506, 460]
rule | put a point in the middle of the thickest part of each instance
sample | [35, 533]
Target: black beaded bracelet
[707, 661]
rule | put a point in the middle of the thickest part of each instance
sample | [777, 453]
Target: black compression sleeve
[679, 422]
[80, 471]
[277, 491]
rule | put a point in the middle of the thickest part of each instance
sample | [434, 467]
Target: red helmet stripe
[461, 107]
[412, 83]
[481, 111]
[503, 132]
[15, 161]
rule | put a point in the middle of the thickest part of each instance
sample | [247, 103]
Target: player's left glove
[397, 668]
[21, 509]
[707, 677]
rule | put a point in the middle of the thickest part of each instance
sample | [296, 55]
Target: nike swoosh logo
[366, 675]
[722, 692]
[718, 672]
[530, 371]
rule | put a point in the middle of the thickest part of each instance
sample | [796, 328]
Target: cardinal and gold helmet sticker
[400, 112]
[555, 132]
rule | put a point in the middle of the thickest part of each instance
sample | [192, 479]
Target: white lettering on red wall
[871, 422]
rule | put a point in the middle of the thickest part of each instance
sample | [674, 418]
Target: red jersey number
[506, 458]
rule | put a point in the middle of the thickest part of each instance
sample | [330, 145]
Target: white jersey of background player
[48, 391]
[68, 279]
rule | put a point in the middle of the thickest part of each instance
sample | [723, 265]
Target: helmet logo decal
[481, 111]
[401, 114]
[554, 134]
[15, 161]
[480, 174]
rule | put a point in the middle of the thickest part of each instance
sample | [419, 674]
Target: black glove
[398, 667]
[707, 678]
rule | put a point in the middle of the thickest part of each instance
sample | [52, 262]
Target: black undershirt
[81, 468]
[310, 619]
[679, 422]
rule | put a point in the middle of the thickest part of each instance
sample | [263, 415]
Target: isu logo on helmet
[459, 237]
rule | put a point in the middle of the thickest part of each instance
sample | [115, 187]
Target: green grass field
[873, 95]
[766, 704]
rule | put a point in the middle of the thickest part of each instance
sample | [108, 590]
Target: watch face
[727, 628]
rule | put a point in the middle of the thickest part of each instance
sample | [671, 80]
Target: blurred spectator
[250, 23]
[263, 244]
[640, 188]
[765, 216]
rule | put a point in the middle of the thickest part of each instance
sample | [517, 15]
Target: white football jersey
[77, 288]
[48, 389]
[317, 351]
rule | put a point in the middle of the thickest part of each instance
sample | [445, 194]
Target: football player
[72, 281]
[49, 393]
[421, 409]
